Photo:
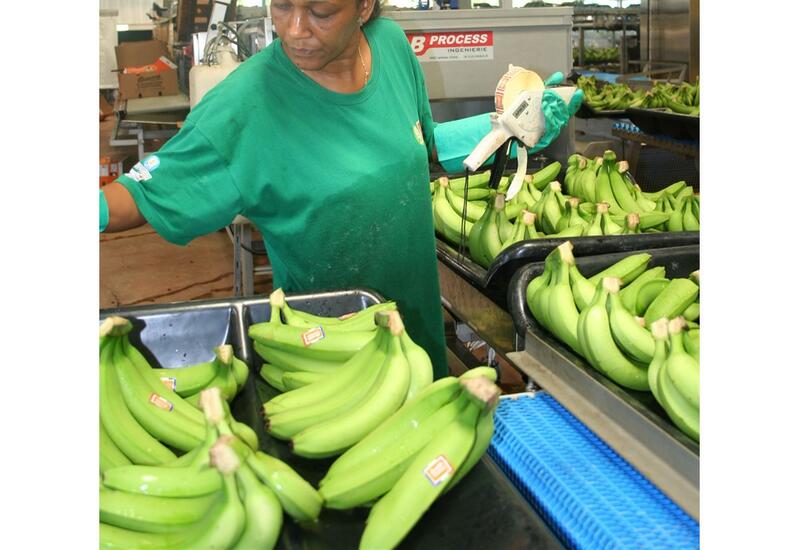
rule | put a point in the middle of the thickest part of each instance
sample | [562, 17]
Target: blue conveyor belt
[589, 495]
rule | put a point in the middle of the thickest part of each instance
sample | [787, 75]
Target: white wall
[131, 12]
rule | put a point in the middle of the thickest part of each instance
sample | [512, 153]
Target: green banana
[359, 320]
[648, 292]
[110, 455]
[692, 312]
[474, 209]
[419, 365]
[491, 242]
[156, 386]
[287, 423]
[682, 368]
[406, 420]
[505, 228]
[632, 338]
[273, 376]
[626, 269]
[660, 332]
[582, 290]
[164, 424]
[517, 235]
[112, 536]
[691, 342]
[293, 380]
[544, 176]
[689, 220]
[351, 372]
[595, 228]
[598, 346]
[623, 195]
[475, 239]
[562, 311]
[681, 412]
[484, 430]
[629, 293]
[396, 513]
[673, 300]
[291, 361]
[447, 220]
[188, 380]
[334, 436]
[608, 225]
[313, 343]
[263, 512]
[475, 180]
[373, 478]
[551, 209]
[297, 497]
[603, 191]
[164, 481]
[675, 221]
[152, 514]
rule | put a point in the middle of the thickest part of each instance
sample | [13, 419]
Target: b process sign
[452, 46]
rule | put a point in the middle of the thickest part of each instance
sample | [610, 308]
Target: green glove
[103, 212]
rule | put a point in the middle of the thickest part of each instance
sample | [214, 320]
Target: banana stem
[224, 354]
[565, 252]
[115, 326]
[500, 201]
[632, 220]
[223, 457]
[396, 326]
[574, 202]
[528, 218]
[612, 284]
[602, 207]
[660, 329]
[382, 318]
[277, 298]
[483, 390]
[555, 186]
[622, 166]
[211, 404]
[677, 325]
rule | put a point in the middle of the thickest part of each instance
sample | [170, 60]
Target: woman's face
[316, 32]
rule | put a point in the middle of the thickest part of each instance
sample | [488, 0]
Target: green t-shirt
[338, 184]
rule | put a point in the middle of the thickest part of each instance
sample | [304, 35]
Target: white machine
[518, 116]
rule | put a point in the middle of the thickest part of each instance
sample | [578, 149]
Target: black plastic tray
[661, 122]
[678, 262]
[494, 281]
[584, 111]
[485, 510]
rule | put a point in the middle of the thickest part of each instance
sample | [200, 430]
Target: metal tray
[484, 510]
[661, 122]
[631, 422]
[494, 281]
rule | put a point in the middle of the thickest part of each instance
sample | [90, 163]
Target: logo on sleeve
[142, 171]
[417, 129]
[151, 162]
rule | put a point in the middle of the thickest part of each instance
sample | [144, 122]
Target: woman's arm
[122, 210]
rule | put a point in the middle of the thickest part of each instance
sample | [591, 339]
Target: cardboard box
[147, 84]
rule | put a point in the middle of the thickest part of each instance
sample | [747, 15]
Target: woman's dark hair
[376, 11]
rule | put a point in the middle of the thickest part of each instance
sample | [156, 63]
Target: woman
[321, 140]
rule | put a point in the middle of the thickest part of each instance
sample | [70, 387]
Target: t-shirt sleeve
[185, 190]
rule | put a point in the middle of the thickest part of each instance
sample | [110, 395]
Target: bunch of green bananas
[604, 180]
[222, 494]
[415, 456]
[602, 200]
[148, 414]
[610, 326]
[593, 55]
[376, 372]
[285, 342]
[683, 98]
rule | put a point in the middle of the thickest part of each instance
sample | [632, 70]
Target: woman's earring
[360, 22]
